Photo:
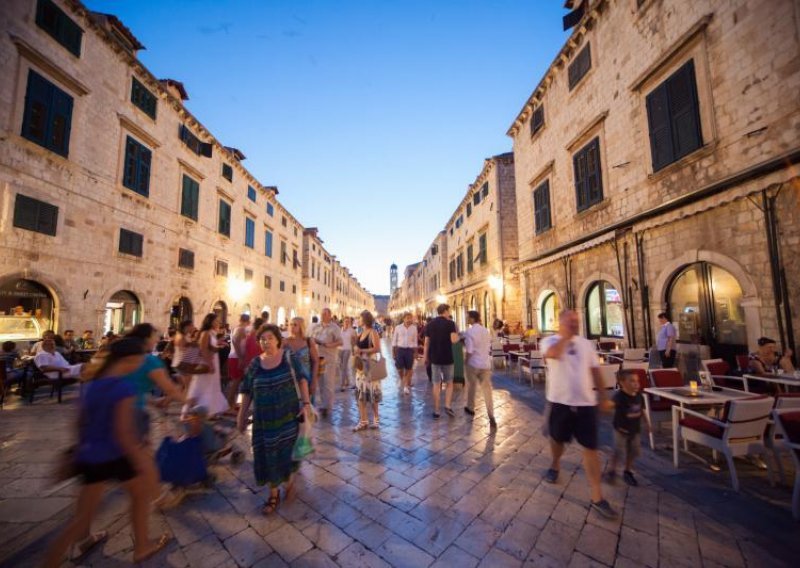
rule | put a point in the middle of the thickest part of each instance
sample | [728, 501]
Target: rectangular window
[186, 259]
[295, 260]
[588, 178]
[268, 282]
[469, 209]
[460, 265]
[268, 243]
[224, 221]
[193, 142]
[248, 275]
[55, 22]
[482, 248]
[485, 191]
[673, 117]
[452, 270]
[284, 222]
[136, 175]
[251, 193]
[469, 258]
[284, 254]
[130, 242]
[34, 215]
[294, 288]
[476, 198]
[190, 197]
[47, 118]
[249, 232]
[270, 210]
[221, 268]
[143, 99]
[282, 286]
[541, 207]
[580, 66]
[537, 120]
[227, 172]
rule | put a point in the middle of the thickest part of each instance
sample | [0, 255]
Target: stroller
[184, 463]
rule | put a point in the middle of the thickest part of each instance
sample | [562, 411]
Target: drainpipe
[644, 289]
[783, 312]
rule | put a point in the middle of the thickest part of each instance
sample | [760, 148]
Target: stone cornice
[27, 51]
[138, 131]
[560, 60]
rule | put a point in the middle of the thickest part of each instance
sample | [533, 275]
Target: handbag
[304, 444]
[192, 361]
[377, 369]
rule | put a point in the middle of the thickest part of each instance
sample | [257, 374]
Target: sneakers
[469, 411]
[492, 423]
[610, 477]
[551, 476]
[436, 416]
[604, 509]
[629, 478]
[450, 412]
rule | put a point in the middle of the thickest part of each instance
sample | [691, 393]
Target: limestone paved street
[416, 493]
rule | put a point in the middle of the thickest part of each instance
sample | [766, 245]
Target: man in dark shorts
[404, 350]
[572, 376]
[440, 335]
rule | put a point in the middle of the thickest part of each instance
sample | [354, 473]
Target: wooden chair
[738, 432]
[35, 378]
[787, 424]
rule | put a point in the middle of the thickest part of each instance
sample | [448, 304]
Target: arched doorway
[705, 303]
[123, 311]
[281, 316]
[221, 309]
[604, 317]
[31, 306]
[181, 311]
[549, 313]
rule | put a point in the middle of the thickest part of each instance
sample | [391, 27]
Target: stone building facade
[469, 264]
[116, 204]
[656, 170]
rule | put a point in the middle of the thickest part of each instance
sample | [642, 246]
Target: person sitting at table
[70, 344]
[86, 341]
[106, 340]
[765, 361]
[38, 346]
[51, 362]
[8, 358]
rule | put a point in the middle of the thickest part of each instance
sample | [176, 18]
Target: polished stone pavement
[416, 493]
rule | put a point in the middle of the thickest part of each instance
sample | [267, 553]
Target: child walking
[628, 406]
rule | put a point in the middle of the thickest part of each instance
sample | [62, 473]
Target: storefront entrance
[123, 311]
[26, 310]
[705, 304]
[181, 311]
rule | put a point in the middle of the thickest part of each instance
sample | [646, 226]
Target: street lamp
[441, 299]
[495, 282]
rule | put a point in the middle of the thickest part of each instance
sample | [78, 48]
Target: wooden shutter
[37, 101]
[579, 165]
[143, 171]
[660, 127]
[684, 111]
[537, 120]
[190, 195]
[541, 207]
[469, 258]
[594, 178]
[129, 173]
[268, 243]
[60, 122]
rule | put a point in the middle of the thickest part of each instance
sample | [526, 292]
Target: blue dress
[275, 426]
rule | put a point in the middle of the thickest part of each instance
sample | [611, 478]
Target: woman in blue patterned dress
[269, 384]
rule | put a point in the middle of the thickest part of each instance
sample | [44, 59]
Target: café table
[788, 379]
[514, 356]
[686, 396]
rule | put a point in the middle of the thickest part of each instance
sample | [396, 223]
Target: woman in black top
[367, 344]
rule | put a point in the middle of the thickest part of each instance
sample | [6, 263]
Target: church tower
[392, 278]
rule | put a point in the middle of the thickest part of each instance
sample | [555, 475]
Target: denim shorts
[405, 358]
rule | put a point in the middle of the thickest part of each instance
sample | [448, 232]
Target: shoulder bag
[377, 367]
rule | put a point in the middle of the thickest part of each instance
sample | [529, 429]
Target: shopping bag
[304, 445]
[377, 369]
[181, 463]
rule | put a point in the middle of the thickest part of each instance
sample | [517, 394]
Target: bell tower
[392, 278]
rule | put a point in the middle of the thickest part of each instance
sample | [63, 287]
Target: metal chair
[634, 354]
[738, 432]
[35, 378]
[787, 424]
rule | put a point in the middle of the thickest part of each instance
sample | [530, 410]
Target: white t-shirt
[405, 337]
[45, 359]
[478, 342]
[347, 338]
[569, 379]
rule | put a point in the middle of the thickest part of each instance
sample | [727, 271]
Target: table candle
[693, 386]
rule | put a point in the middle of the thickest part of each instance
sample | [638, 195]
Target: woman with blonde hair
[367, 344]
[302, 353]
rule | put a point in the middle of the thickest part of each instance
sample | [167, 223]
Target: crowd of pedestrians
[280, 382]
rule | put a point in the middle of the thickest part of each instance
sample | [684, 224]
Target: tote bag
[377, 368]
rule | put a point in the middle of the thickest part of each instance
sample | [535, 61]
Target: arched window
[604, 311]
[549, 313]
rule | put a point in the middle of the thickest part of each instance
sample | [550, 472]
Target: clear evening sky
[370, 117]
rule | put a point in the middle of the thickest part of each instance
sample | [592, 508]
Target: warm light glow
[239, 289]
[441, 299]
[307, 300]
[495, 282]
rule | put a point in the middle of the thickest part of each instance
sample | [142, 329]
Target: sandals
[161, 543]
[288, 491]
[272, 503]
[361, 426]
[375, 425]
[81, 549]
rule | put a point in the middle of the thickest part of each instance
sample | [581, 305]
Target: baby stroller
[184, 463]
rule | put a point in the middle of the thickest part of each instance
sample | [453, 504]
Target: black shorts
[119, 469]
[579, 422]
[405, 358]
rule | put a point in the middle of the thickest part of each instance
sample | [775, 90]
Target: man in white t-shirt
[478, 343]
[51, 362]
[574, 391]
